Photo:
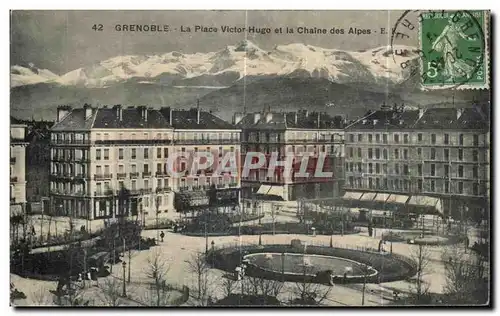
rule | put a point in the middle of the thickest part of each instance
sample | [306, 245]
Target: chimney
[269, 117]
[144, 113]
[198, 111]
[256, 117]
[319, 119]
[459, 113]
[119, 112]
[420, 113]
[62, 112]
[307, 113]
[171, 115]
[295, 116]
[88, 111]
[237, 117]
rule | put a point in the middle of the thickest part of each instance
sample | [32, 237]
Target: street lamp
[124, 291]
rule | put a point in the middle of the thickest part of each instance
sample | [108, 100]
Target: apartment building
[296, 133]
[439, 152]
[17, 166]
[113, 161]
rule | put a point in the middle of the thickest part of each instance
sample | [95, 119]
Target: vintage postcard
[250, 158]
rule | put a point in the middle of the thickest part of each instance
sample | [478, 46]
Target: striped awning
[368, 196]
[264, 189]
[397, 198]
[352, 195]
[276, 190]
[423, 200]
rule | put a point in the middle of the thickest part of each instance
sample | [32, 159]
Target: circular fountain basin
[308, 264]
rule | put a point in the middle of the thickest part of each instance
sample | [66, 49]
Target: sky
[62, 41]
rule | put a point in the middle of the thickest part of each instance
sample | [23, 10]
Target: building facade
[297, 133]
[109, 162]
[438, 152]
[17, 166]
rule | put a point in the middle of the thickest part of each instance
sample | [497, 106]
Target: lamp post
[124, 290]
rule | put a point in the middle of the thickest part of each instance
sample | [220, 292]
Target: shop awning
[380, 213]
[397, 198]
[352, 195]
[381, 197]
[420, 200]
[264, 189]
[275, 190]
[368, 196]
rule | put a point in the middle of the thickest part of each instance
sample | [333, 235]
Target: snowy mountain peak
[377, 65]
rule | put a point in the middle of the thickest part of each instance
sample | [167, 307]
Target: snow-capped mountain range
[377, 65]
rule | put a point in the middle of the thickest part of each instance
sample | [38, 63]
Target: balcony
[75, 142]
[67, 193]
[197, 187]
[98, 177]
[220, 186]
[134, 175]
[163, 190]
[105, 193]
[121, 175]
[146, 174]
[206, 141]
[12, 160]
[161, 174]
[233, 185]
[13, 179]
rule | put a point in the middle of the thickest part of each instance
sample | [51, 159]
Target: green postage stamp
[454, 45]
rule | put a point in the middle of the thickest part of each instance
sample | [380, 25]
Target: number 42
[97, 27]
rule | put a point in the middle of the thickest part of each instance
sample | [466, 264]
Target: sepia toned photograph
[269, 158]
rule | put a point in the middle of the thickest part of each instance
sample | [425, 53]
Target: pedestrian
[162, 235]
[466, 243]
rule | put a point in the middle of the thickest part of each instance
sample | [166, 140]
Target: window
[98, 154]
[359, 167]
[406, 170]
[377, 153]
[370, 168]
[158, 152]
[433, 186]
[446, 171]
[377, 168]
[474, 155]
[475, 189]
[446, 139]
[120, 153]
[99, 188]
[419, 169]
[351, 138]
[360, 137]
[446, 187]
[134, 168]
[165, 152]
[106, 170]
[460, 154]
[146, 184]
[396, 153]
[385, 153]
[106, 154]
[419, 152]
[433, 139]
[474, 172]
[433, 169]
[405, 154]
[420, 137]
[370, 183]
[396, 138]
[359, 152]
[461, 139]
[384, 138]
[420, 184]
[134, 185]
[460, 187]
[406, 138]
[146, 153]
[377, 183]
[98, 170]
[396, 168]
[370, 138]
[120, 168]
[476, 140]
[377, 138]
[146, 168]
[384, 168]
[460, 171]
[351, 152]
[446, 154]
[370, 153]
[433, 153]
[158, 183]
[134, 153]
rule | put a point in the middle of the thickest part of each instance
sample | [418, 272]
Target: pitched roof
[188, 119]
[284, 120]
[131, 118]
[75, 120]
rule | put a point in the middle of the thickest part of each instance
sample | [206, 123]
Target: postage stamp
[454, 44]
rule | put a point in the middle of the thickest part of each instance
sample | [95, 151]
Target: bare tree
[264, 287]
[229, 286]
[365, 272]
[157, 270]
[40, 297]
[274, 214]
[466, 277]
[199, 266]
[110, 292]
[422, 257]
[307, 292]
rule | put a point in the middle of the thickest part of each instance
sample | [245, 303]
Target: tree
[466, 277]
[157, 270]
[309, 293]
[420, 290]
[264, 287]
[274, 214]
[110, 292]
[228, 285]
[199, 266]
